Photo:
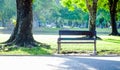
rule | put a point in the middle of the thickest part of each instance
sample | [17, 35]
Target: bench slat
[77, 42]
[76, 39]
[75, 32]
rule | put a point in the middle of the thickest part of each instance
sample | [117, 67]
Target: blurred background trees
[51, 13]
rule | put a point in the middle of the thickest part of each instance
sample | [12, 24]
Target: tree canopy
[52, 11]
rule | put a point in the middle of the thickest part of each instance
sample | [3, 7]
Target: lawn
[108, 45]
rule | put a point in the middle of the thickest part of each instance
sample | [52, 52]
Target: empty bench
[77, 37]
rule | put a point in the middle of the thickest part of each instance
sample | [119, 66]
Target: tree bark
[92, 8]
[22, 34]
[112, 7]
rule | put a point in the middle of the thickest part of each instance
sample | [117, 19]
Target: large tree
[112, 6]
[113, 11]
[22, 34]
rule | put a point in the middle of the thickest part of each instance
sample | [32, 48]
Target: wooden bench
[77, 37]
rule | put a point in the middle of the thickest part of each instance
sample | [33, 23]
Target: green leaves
[103, 5]
[7, 9]
[70, 15]
[72, 4]
[65, 3]
[68, 4]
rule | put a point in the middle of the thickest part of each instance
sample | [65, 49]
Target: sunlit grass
[27, 51]
[108, 45]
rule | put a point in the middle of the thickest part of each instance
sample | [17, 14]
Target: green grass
[54, 31]
[108, 45]
[27, 51]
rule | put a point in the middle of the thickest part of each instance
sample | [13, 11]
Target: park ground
[108, 45]
[59, 63]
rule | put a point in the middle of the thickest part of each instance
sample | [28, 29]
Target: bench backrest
[76, 32]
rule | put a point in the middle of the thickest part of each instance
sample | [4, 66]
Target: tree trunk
[92, 14]
[113, 6]
[22, 34]
[92, 25]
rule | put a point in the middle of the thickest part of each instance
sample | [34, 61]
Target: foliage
[118, 11]
[65, 14]
[72, 4]
[9, 8]
[102, 5]
[13, 21]
[51, 12]
[104, 16]
[105, 5]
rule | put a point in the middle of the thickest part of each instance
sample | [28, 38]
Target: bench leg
[95, 52]
[59, 46]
